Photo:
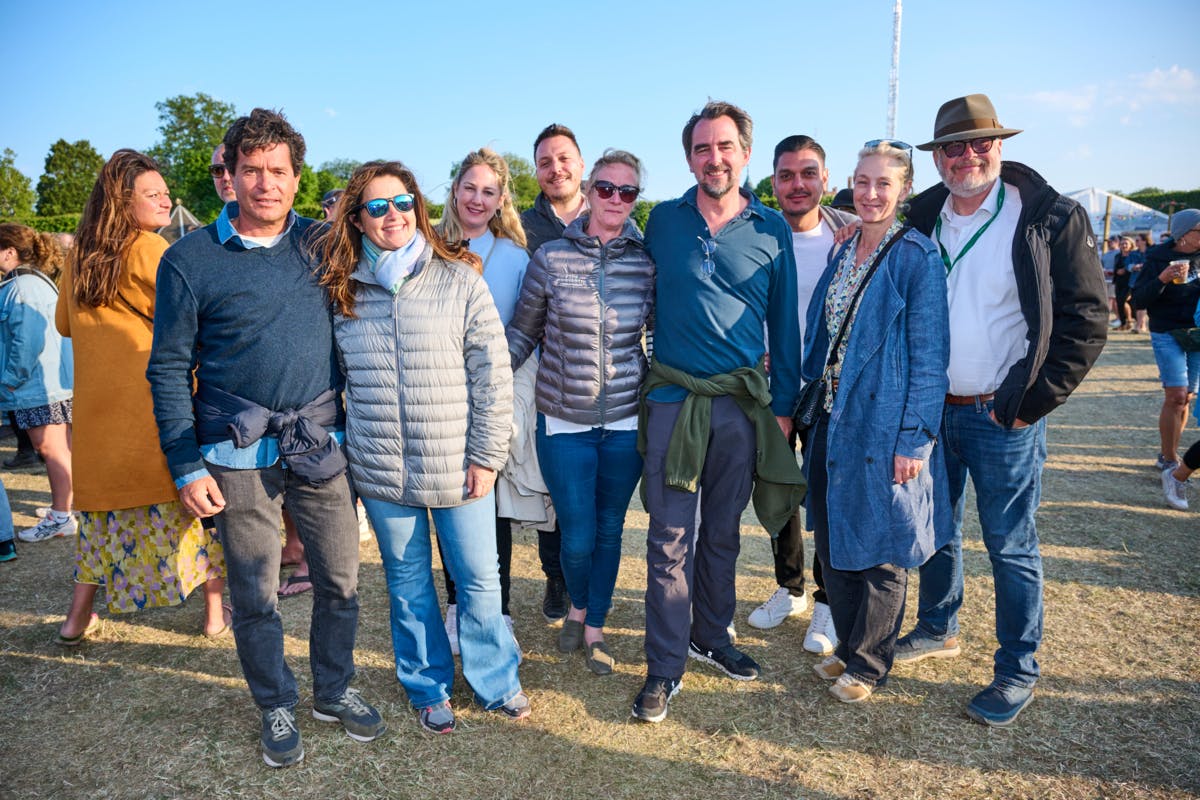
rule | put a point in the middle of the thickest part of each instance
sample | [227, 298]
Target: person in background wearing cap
[329, 204]
[1028, 318]
[843, 201]
[1167, 288]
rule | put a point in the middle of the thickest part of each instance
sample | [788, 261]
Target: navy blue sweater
[254, 323]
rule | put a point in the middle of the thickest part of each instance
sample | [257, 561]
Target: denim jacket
[36, 365]
[888, 402]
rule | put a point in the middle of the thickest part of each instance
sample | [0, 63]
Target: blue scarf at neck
[392, 267]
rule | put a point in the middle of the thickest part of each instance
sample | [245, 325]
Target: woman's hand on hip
[480, 480]
[906, 468]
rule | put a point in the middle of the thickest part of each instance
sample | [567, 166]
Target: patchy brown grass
[149, 709]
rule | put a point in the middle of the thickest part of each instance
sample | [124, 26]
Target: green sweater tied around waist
[779, 485]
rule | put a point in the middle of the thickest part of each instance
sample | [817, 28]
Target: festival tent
[182, 222]
[1125, 215]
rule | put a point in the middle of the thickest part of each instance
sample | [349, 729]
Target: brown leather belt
[968, 399]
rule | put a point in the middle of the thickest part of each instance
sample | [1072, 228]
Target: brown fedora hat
[969, 117]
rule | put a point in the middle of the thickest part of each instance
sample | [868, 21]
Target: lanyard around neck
[971, 242]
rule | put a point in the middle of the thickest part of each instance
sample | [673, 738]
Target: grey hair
[612, 156]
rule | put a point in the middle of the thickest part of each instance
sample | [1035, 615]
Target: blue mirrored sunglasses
[379, 206]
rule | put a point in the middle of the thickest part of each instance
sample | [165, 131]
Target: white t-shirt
[811, 249]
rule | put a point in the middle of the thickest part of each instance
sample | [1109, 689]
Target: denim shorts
[1175, 367]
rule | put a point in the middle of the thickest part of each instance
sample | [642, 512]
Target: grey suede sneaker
[361, 721]
[281, 744]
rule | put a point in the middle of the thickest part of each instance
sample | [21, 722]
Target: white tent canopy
[182, 222]
[1126, 215]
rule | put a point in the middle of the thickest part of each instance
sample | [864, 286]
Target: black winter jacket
[1168, 305]
[541, 224]
[1061, 287]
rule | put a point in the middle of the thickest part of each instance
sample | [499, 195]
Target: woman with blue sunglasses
[428, 418]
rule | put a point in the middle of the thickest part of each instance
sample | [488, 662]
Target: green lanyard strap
[970, 243]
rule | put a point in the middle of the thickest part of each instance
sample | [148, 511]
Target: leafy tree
[16, 190]
[191, 127]
[70, 172]
[341, 169]
[766, 193]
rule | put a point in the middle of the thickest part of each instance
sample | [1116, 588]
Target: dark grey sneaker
[652, 701]
[281, 745]
[361, 721]
[918, 646]
[728, 659]
[554, 601]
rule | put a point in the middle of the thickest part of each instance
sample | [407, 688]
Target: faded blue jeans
[1005, 467]
[424, 663]
[591, 476]
[249, 531]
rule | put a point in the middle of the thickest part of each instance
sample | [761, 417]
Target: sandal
[303, 581]
[76, 640]
[226, 611]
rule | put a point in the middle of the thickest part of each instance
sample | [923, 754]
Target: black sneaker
[8, 550]
[728, 659]
[554, 602]
[652, 701]
[281, 745]
[22, 459]
[361, 721]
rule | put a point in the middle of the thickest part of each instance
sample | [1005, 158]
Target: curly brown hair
[38, 250]
[339, 247]
[107, 229]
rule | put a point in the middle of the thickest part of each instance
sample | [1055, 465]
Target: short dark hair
[263, 128]
[554, 129]
[714, 109]
[794, 144]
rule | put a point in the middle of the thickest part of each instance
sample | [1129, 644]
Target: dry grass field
[149, 709]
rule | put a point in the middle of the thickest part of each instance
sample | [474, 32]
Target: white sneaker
[1174, 490]
[48, 528]
[820, 638]
[452, 627]
[778, 607]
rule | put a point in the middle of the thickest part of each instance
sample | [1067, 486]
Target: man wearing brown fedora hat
[1028, 318]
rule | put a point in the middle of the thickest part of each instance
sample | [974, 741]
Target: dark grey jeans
[249, 531]
[690, 579]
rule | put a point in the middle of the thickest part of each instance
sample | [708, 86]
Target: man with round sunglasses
[724, 268]
[1028, 318]
[558, 165]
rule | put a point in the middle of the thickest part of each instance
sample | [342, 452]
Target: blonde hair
[506, 223]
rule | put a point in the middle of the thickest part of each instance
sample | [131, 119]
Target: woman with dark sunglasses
[480, 212]
[878, 339]
[428, 419]
[586, 300]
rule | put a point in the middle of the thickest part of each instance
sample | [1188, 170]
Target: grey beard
[716, 193]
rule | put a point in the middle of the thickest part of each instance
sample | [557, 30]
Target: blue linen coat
[889, 402]
[36, 363]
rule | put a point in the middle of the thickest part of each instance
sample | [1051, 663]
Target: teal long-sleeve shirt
[711, 324]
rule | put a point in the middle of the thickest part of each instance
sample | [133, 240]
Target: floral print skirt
[147, 556]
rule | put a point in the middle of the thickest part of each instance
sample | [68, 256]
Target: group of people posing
[293, 364]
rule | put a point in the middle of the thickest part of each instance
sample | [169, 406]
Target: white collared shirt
[988, 333]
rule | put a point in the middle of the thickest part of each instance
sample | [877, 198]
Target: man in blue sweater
[239, 303]
[725, 269]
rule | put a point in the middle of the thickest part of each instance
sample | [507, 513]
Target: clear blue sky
[1108, 93]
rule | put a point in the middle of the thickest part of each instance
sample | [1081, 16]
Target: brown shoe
[850, 689]
[830, 669]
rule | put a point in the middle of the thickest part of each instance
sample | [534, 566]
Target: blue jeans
[591, 476]
[1006, 469]
[424, 664]
[6, 520]
[249, 531]
[1176, 367]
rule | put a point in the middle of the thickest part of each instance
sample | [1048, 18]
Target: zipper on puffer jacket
[602, 372]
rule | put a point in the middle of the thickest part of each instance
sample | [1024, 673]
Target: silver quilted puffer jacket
[587, 305]
[428, 385]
